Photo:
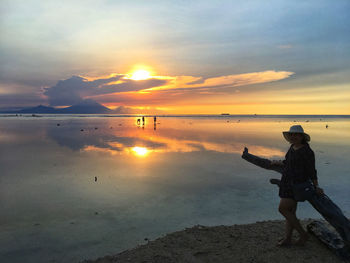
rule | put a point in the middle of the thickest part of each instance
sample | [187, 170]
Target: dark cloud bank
[73, 90]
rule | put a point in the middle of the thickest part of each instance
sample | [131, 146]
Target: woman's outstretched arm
[261, 162]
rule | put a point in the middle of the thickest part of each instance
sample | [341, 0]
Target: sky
[178, 57]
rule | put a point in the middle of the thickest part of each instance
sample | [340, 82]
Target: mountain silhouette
[87, 106]
[37, 109]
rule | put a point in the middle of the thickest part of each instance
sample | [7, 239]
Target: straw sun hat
[296, 129]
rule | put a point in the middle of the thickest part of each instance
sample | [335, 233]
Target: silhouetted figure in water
[138, 121]
[95, 179]
[326, 126]
[143, 120]
[155, 119]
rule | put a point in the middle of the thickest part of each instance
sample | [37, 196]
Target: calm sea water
[98, 185]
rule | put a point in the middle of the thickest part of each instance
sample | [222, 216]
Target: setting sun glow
[140, 74]
[140, 151]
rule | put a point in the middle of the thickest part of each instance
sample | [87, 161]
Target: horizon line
[172, 115]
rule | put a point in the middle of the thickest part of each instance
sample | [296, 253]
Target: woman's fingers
[276, 162]
[319, 191]
[245, 150]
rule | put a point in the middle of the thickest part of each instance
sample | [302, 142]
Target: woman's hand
[319, 190]
[245, 151]
[277, 162]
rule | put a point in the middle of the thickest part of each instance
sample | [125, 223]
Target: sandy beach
[236, 243]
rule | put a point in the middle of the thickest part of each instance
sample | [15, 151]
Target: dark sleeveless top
[299, 166]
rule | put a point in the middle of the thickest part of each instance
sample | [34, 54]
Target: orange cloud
[189, 82]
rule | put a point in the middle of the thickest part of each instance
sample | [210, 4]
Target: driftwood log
[323, 204]
[331, 239]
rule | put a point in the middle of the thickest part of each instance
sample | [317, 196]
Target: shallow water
[150, 179]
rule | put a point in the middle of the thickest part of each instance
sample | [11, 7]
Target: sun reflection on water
[140, 151]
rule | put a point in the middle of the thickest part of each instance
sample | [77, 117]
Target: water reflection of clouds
[76, 140]
[5, 137]
[177, 144]
[127, 137]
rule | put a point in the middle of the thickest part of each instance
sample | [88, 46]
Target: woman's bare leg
[287, 208]
[288, 238]
[289, 226]
[289, 229]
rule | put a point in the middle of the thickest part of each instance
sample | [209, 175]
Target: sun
[140, 74]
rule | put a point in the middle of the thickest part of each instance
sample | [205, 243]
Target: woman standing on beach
[299, 167]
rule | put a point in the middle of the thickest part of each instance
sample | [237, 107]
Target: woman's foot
[285, 242]
[302, 240]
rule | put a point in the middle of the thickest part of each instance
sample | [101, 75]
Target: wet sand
[237, 243]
